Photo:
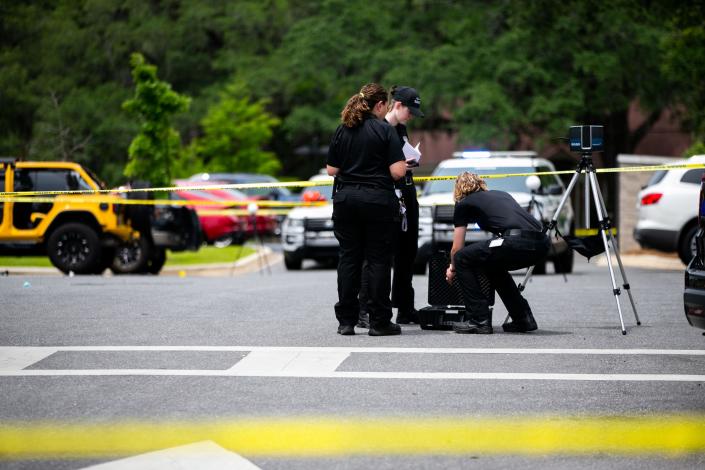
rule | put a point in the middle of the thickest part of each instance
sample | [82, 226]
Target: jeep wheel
[131, 257]
[292, 262]
[156, 261]
[74, 247]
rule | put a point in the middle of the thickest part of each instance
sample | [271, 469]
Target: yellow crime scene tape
[669, 435]
[308, 184]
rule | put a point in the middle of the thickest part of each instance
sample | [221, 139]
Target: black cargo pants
[495, 262]
[407, 244]
[364, 221]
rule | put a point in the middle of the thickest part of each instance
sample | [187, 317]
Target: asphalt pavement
[146, 354]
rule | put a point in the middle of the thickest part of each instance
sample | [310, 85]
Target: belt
[531, 234]
[360, 186]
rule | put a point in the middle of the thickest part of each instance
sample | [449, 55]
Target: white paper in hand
[411, 154]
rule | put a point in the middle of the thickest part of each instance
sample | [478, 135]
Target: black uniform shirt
[364, 153]
[493, 211]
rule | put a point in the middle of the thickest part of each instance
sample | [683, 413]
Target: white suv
[668, 216]
[307, 232]
[436, 203]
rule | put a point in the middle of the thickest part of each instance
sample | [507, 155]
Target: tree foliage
[153, 153]
[502, 73]
[234, 132]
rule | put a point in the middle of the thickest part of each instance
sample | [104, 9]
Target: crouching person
[519, 242]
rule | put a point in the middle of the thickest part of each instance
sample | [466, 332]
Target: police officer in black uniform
[366, 157]
[519, 242]
[406, 103]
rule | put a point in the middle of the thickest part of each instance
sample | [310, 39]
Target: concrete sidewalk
[645, 260]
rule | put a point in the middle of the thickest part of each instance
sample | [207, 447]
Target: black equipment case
[446, 301]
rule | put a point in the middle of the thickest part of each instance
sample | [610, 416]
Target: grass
[207, 254]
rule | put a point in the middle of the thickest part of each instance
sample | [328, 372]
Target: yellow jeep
[79, 232]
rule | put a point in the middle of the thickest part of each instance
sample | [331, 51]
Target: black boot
[475, 324]
[521, 325]
[405, 316]
[390, 329]
[467, 327]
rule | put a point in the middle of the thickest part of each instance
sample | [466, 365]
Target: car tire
[74, 247]
[156, 261]
[131, 257]
[563, 263]
[292, 262]
[686, 249]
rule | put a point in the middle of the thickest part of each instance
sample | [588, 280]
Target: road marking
[670, 435]
[311, 362]
[267, 372]
[288, 362]
[629, 352]
[17, 358]
[204, 455]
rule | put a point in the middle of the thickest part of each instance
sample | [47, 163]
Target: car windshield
[516, 184]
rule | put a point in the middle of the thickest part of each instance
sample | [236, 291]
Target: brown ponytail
[362, 103]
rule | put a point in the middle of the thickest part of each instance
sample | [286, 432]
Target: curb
[262, 258]
[644, 261]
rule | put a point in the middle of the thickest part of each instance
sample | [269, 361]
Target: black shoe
[346, 330]
[363, 321]
[528, 323]
[469, 328]
[404, 317]
[390, 329]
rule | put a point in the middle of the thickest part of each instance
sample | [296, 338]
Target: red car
[220, 227]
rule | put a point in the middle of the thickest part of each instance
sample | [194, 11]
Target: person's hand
[450, 275]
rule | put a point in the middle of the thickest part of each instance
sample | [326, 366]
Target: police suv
[436, 203]
[307, 232]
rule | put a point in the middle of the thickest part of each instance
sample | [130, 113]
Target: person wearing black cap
[404, 104]
[519, 242]
[366, 158]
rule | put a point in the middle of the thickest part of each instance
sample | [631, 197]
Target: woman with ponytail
[366, 158]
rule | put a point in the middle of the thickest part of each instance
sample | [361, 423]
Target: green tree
[684, 65]
[234, 131]
[154, 151]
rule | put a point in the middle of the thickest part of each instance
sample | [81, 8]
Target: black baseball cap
[410, 98]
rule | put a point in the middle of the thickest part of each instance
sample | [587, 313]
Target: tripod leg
[625, 284]
[603, 232]
[554, 219]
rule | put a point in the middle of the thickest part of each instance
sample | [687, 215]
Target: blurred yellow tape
[158, 202]
[669, 435]
[586, 232]
[308, 184]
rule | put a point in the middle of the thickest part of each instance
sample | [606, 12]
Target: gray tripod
[585, 165]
